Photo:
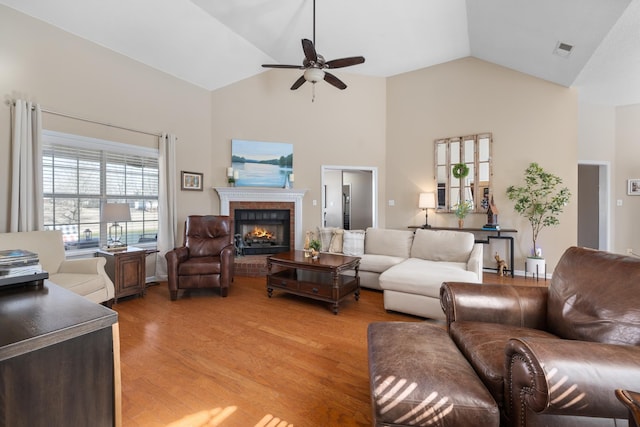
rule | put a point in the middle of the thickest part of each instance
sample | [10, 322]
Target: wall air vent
[563, 49]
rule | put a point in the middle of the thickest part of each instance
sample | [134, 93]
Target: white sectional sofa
[410, 267]
[85, 277]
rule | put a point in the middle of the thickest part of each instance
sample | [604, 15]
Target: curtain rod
[69, 116]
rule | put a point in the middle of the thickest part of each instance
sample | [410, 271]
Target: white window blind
[81, 174]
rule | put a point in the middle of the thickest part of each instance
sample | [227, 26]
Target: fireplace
[232, 198]
[262, 231]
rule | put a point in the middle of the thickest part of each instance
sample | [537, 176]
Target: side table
[127, 270]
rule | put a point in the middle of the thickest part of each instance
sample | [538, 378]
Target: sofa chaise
[409, 266]
[85, 277]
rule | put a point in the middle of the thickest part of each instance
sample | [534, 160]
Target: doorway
[593, 205]
[349, 197]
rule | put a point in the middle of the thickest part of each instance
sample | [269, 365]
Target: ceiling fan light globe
[313, 75]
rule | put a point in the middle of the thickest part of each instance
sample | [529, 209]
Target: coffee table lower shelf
[315, 284]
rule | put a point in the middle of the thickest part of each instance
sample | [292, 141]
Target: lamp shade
[114, 212]
[427, 201]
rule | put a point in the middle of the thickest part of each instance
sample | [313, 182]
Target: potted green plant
[461, 210]
[315, 246]
[540, 200]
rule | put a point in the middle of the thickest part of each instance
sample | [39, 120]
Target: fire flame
[262, 233]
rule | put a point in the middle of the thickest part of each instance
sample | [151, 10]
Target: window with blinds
[82, 174]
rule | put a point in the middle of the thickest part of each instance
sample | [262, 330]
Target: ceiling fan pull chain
[313, 92]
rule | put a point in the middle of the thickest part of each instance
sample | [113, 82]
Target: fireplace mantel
[260, 194]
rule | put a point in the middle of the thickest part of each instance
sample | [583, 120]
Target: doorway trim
[374, 188]
[604, 222]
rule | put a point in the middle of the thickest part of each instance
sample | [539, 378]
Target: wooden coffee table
[320, 279]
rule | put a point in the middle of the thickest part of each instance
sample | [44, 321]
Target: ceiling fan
[314, 65]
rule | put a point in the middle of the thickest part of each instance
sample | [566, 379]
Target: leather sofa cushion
[200, 266]
[207, 236]
[595, 296]
[418, 377]
[483, 344]
[423, 277]
[396, 243]
[442, 245]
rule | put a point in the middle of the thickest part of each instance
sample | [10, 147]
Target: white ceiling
[213, 43]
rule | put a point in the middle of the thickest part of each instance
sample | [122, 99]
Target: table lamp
[427, 201]
[115, 212]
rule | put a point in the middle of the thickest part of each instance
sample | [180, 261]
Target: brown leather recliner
[206, 259]
[554, 356]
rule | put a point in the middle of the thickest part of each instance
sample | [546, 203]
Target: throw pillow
[353, 242]
[336, 241]
[325, 235]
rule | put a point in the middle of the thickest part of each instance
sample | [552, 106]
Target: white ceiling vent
[563, 49]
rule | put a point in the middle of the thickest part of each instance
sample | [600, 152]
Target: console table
[59, 359]
[492, 234]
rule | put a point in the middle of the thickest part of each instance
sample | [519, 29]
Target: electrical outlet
[629, 251]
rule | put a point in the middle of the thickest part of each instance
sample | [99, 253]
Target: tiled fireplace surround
[232, 198]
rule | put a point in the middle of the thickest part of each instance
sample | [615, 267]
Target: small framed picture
[191, 181]
[633, 187]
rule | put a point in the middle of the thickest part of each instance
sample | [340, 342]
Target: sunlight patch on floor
[211, 418]
[271, 421]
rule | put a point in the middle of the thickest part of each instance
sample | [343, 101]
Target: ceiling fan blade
[309, 51]
[333, 80]
[298, 67]
[345, 62]
[298, 83]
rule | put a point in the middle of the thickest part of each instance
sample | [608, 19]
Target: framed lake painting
[261, 164]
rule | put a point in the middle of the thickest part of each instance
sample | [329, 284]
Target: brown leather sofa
[206, 259]
[554, 356]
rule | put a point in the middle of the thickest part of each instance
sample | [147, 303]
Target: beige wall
[627, 232]
[65, 73]
[531, 121]
[345, 128]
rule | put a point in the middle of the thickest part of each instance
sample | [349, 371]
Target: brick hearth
[251, 265]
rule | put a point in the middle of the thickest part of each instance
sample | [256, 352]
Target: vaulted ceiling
[213, 43]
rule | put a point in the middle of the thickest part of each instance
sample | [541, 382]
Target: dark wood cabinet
[126, 269]
[58, 366]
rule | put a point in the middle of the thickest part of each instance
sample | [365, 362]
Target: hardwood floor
[248, 360]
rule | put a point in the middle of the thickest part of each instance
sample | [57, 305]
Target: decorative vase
[460, 223]
[536, 266]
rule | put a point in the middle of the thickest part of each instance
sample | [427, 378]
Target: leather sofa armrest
[226, 260]
[523, 306]
[631, 400]
[174, 257]
[567, 377]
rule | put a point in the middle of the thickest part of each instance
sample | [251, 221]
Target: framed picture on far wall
[261, 164]
[191, 181]
[633, 187]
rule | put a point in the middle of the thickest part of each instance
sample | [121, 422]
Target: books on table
[18, 262]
